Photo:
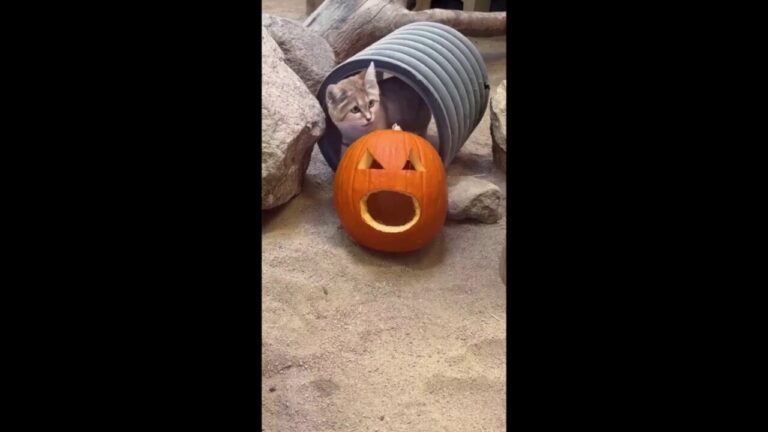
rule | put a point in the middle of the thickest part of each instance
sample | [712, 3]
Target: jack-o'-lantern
[390, 191]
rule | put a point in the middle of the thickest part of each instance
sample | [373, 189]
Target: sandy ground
[354, 340]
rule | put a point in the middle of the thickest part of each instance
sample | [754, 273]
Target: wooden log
[349, 26]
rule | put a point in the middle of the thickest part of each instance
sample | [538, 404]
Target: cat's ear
[369, 72]
[370, 78]
[333, 93]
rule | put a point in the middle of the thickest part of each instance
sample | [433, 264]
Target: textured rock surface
[306, 52]
[472, 198]
[499, 126]
[292, 121]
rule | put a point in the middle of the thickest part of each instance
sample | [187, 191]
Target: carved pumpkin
[390, 191]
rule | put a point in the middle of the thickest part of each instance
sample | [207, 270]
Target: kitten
[359, 104]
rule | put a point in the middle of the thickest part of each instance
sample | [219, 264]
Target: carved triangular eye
[369, 162]
[413, 162]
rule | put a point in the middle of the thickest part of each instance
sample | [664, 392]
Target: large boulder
[291, 123]
[472, 198]
[306, 52]
[499, 126]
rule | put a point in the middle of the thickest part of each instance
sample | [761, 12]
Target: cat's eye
[370, 104]
[355, 110]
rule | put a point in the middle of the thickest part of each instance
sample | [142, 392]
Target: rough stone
[292, 121]
[473, 198]
[306, 52]
[499, 126]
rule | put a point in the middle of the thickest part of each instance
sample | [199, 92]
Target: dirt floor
[354, 340]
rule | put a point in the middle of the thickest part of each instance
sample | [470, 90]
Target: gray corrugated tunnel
[442, 65]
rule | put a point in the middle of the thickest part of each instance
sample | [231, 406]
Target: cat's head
[354, 100]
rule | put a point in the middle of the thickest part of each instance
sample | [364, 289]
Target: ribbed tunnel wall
[442, 65]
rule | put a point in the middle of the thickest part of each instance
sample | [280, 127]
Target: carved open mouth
[390, 211]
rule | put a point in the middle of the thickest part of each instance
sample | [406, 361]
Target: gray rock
[306, 52]
[292, 121]
[499, 126]
[472, 198]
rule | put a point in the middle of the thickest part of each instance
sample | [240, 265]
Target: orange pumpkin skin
[425, 184]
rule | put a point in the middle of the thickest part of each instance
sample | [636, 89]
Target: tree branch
[478, 24]
[352, 25]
